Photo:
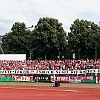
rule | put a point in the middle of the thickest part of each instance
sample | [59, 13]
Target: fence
[72, 76]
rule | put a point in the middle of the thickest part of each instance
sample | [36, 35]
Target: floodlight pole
[30, 50]
[1, 50]
[59, 55]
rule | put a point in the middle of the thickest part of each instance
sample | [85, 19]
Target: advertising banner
[62, 78]
[74, 79]
[23, 78]
[6, 79]
[88, 79]
[42, 78]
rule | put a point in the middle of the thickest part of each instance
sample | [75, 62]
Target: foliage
[48, 38]
[84, 38]
[18, 40]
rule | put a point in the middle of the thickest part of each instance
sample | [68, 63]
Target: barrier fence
[64, 79]
[72, 76]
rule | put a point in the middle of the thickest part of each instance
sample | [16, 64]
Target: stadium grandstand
[49, 64]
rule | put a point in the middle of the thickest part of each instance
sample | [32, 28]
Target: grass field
[71, 85]
[25, 84]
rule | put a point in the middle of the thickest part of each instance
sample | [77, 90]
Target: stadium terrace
[49, 65]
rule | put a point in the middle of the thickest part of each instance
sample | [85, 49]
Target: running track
[48, 93]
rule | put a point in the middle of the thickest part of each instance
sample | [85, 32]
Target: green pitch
[71, 85]
[25, 84]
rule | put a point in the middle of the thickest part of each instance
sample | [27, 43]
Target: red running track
[47, 93]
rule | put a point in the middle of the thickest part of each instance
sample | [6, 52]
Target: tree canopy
[84, 38]
[18, 40]
[45, 41]
[48, 40]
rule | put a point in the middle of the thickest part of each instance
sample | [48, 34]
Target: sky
[29, 12]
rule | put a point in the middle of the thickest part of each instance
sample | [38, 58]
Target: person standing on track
[37, 78]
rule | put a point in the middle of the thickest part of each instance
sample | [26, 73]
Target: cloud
[66, 11]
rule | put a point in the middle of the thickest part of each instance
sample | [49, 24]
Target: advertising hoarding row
[74, 79]
[64, 79]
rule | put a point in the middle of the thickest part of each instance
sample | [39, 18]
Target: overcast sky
[66, 11]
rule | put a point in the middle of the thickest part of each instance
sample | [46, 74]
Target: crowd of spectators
[49, 64]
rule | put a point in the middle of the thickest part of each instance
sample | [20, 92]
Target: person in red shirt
[37, 78]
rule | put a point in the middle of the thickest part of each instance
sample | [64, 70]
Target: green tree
[48, 39]
[17, 41]
[84, 38]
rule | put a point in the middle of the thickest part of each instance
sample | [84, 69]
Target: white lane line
[28, 88]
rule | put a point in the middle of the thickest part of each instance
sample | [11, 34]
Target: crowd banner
[54, 72]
